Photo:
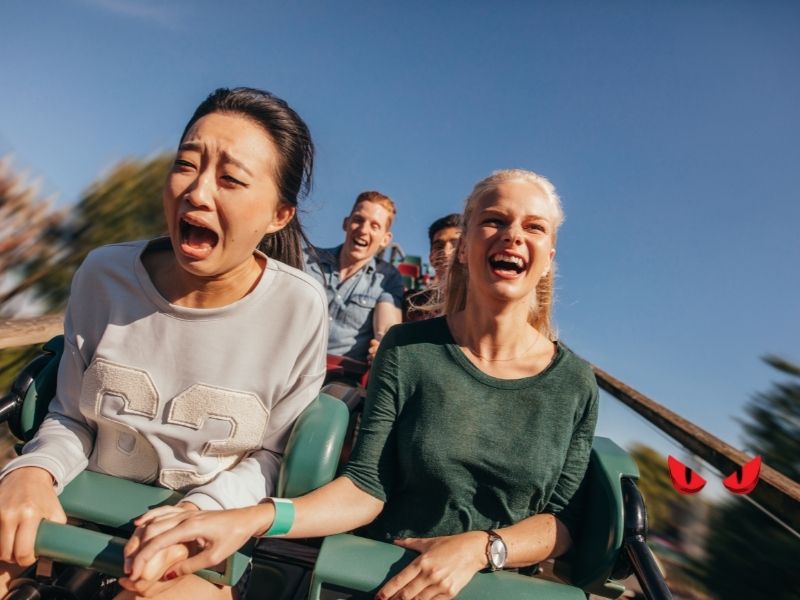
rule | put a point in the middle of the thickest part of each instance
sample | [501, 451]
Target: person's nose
[201, 192]
[513, 234]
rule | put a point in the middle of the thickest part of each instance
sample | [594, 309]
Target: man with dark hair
[365, 294]
[443, 235]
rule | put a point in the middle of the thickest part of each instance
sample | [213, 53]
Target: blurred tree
[665, 506]
[27, 223]
[749, 555]
[41, 249]
[124, 205]
[773, 430]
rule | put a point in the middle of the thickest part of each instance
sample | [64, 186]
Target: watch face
[498, 554]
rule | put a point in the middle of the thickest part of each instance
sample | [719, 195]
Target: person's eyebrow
[237, 163]
[198, 147]
[492, 211]
[191, 146]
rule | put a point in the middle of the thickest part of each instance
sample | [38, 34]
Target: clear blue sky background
[670, 129]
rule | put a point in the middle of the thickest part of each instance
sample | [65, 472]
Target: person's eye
[233, 181]
[181, 164]
[536, 227]
[493, 221]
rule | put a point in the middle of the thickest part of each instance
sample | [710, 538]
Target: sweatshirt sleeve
[256, 476]
[65, 439]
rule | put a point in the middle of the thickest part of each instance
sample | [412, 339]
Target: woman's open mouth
[196, 240]
[507, 266]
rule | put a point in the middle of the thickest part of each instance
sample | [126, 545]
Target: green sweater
[450, 449]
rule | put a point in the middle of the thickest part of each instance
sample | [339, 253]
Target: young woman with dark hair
[187, 358]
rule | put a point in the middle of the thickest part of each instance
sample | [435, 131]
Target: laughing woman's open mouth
[507, 266]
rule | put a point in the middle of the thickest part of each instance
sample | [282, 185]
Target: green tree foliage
[749, 555]
[773, 429]
[125, 205]
[48, 247]
[27, 223]
[665, 506]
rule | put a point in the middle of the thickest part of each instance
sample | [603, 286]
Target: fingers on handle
[399, 581]
[8, 531]
[182, 533]
[418, 544]
[164, 562]
[131, 548]
[24, 543]
[153, 514]
[195, 563]
[58, 515]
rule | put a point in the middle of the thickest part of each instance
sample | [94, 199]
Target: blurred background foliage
[124, 205]
[731, 549]
[663, 502]
[40, 246]
[748, 554]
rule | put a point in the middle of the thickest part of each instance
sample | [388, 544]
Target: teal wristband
[284, 517]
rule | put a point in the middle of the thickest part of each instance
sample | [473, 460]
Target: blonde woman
[477, 427]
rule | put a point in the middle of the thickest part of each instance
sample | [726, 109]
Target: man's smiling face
[366, 231]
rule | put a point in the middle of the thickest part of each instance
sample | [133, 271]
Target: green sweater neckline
[496, 382]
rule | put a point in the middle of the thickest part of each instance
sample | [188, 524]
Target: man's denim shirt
[351, 302]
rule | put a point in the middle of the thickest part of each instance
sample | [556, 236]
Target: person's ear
[461, 251]
[283, 215]
[387, 239]
[550, 264]
[344, 223]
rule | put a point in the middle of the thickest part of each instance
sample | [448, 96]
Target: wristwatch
[496, 551]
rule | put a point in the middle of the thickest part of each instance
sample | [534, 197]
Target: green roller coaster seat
[41, 391]
[345, 562]
[310, 460]
[351, 563]
[595, 557]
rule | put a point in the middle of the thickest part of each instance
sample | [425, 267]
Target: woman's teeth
[507, 262]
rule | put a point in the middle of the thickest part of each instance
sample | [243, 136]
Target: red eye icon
[684, 479]
[744, 479]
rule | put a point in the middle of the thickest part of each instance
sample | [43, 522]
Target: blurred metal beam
[25, 332]
[776, 492]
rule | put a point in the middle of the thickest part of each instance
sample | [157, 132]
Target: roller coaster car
[612, 543]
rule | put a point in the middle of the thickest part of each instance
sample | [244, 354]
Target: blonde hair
[455, 288]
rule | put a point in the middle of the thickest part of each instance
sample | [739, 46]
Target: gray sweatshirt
[197, 400]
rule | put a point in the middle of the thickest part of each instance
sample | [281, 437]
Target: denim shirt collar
[330, 257]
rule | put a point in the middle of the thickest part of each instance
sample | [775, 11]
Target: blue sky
[670, 130]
